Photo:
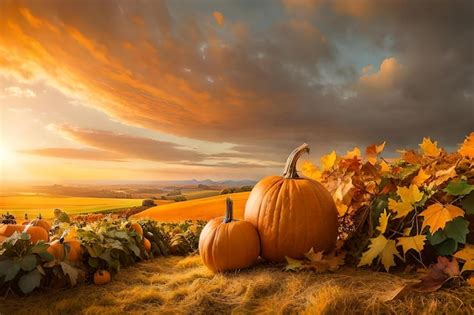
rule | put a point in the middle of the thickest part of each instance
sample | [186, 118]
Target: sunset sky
[155, 90]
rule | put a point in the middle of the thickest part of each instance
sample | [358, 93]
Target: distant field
[32, 205]
[199, 209]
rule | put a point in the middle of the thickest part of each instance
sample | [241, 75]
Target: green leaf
[9, 268]
[134, 248]
[28, 262]
[46, 256]
[39, 248]
[437, 238]
[467, 203]
[457, 229]
[30, 281]
[71, 272]
[458, 188]
[93, 262]
[447, 248]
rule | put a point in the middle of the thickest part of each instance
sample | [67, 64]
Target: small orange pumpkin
[36, 233]
[292, 214]
[39, 221]
[101, 277]
[147, 245]
[228, 244]
[137, 228]
[58, 250]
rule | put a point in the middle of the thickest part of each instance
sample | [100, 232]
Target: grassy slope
[19, 205]
[199, 209]
[184, 286]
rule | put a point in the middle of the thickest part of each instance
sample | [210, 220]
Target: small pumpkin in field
[39, 221]
[36, 233]
[147, 245]
[101, 277]
[292, 214]
[137, 228]
[58, 249]
[228, 244]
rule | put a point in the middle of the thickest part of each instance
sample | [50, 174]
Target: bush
[180, 198]
[148, 203]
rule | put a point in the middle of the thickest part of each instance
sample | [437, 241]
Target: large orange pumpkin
[36, 233]
[292, 214]
[228, 244]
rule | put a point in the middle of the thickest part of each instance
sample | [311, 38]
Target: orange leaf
[430, 148]
[436, 216]
[467, 148]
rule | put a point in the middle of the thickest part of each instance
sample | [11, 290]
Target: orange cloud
[390, 71]
[79, 154]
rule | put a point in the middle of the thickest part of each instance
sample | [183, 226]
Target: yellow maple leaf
[344, 185]
[416, 242]
[310, 170]
[293, 264]
[327, 161]
[420, 178]
[409, 196]
[467, 148]
[352, 154]
[385, 168]
[407, 231]
[400, 208]
[380, 247]
[437, 215]
[466, 254]
[372, 151]
[383, 222]
[430, 148]
[388, 255]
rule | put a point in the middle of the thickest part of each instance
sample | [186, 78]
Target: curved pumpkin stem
[290, 167]
[229, 211]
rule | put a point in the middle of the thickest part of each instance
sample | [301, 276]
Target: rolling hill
[199, 209]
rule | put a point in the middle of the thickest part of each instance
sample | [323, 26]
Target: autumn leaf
[380, 247]
[466, 254]
[384, 167]
[293, 264]
[343, 188]
[327, 161]
[322, 263]
[458, 188]
[372, 151]
[352, 154]
[443, 175]
[467, 148]
[437, 215]
[420, 178]
[437, 275]
[341, 208]
[416, 243]
[409, 196]
[430, 148]
[311, 171]
[383, 222]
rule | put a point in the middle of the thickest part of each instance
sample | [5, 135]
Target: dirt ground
[177, 285]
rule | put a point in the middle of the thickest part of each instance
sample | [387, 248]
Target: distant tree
[180, 198]
[224, 191]
[163, 197]
[246, 188]
[175, 192]
[148, 203]
[203, 187]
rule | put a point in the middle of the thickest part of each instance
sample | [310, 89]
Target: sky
[156, 90]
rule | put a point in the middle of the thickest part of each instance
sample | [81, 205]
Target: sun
[5, 154]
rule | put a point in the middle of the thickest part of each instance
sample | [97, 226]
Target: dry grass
[184, 286]
[198, 209]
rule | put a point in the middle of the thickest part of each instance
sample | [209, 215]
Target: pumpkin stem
[229, 212]
[290, 167]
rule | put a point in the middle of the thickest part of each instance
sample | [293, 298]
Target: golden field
[32, 205]
[177, 285]
[198, 209]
